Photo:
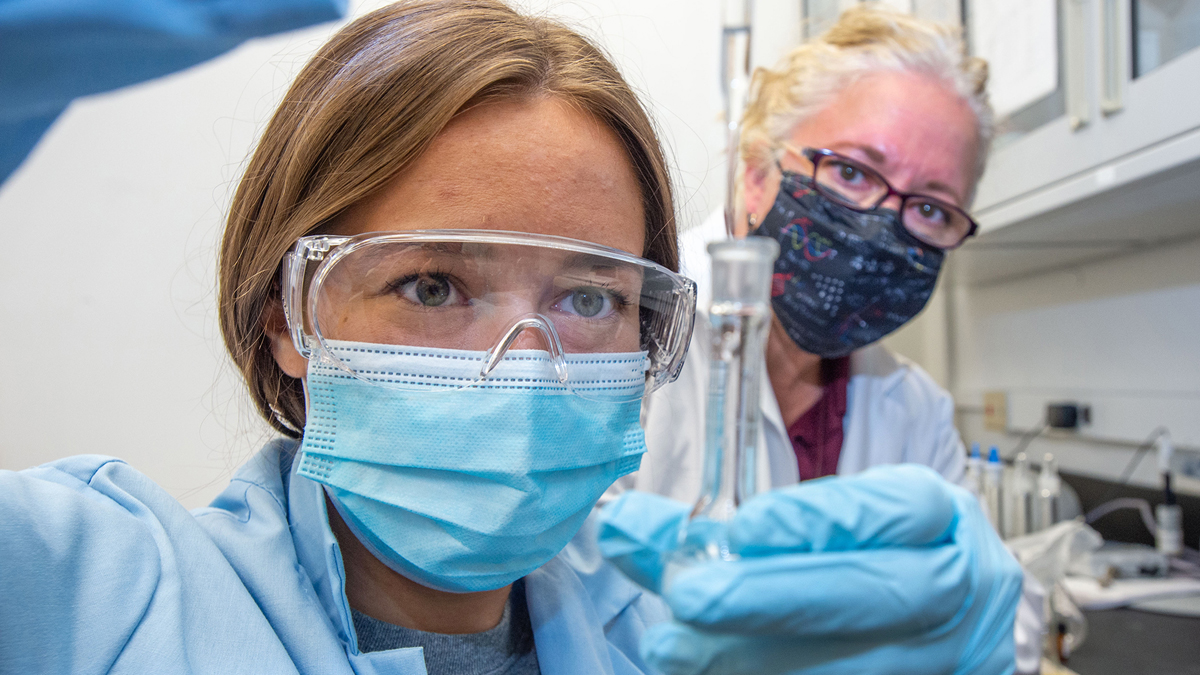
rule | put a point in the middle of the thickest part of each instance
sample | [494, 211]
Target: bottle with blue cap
[993, 487]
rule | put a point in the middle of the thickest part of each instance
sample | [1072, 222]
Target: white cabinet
[1119, 167]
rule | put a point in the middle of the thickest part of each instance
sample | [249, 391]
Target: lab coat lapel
[567, 631]
[319, 555]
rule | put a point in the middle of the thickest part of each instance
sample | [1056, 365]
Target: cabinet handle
[1114, 54]
[1079, 113]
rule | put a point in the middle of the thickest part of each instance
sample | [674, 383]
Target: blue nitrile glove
[893, 570]
[52, 51]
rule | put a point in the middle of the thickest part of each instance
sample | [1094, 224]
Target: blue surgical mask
[468, 488]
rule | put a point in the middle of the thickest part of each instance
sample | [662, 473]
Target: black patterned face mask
[844, 278]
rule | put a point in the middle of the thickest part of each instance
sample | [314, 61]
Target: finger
[637, 532]
[886, 593]
[887, 506]
[676, 649]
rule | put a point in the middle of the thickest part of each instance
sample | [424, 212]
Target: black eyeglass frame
[816, 155]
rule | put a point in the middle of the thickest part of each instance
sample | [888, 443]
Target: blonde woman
[447, 278]
[881, 126]
[860, 154]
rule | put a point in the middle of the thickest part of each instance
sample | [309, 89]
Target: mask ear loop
[540, 323]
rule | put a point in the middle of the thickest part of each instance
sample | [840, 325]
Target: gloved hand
[893, 570]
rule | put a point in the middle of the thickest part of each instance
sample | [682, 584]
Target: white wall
[1122, 334]
[108, 291]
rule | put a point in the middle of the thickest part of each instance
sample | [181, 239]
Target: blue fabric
[466, 489]
[52, 51]
[102, 571]
[890, 571]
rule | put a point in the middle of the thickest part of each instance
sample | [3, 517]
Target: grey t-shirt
[506, 649]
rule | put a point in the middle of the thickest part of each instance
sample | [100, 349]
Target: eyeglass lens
[860, 187]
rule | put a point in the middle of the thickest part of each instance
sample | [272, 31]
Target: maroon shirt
[817, 434]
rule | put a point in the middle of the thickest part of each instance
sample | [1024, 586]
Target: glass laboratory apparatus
[1049, 492]
[739, 317]
[1018, 520]
[736, 17]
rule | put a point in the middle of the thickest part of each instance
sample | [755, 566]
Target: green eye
[432, 291]
[588, 302]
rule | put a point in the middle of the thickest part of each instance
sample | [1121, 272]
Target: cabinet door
[1022, 42]
[1162, 31]
[1116, 128]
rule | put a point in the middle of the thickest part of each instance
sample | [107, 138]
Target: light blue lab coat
[101, 570]
[52, 51]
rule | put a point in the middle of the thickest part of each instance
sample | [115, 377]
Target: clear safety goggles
[491, 293]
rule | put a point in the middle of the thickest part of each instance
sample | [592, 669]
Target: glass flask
[739, 316]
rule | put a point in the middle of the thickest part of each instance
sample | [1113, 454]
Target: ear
[754, 182]
[275, 326]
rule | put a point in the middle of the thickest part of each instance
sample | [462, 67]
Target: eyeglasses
[481, 291]
[861, 188]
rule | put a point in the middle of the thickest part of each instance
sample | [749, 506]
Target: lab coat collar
[875, 360]
[872, 366]
[318, 552]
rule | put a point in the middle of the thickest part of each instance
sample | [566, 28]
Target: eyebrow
[877, 156]
[588, 262]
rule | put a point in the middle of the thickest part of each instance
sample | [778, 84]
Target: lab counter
[1133, 642]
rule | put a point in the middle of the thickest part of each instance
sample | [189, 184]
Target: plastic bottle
[975, 471]
[1168, 536]
[1049, 490]
[993, 488]
[1018, 520]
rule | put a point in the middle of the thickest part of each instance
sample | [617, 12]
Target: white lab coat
[895, 413]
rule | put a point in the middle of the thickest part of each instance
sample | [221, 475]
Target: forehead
[912, 126]
[540, 166]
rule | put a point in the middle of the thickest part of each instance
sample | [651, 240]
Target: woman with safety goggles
[447, 278]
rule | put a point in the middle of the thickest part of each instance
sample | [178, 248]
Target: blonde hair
[866, 39]
[365, 108]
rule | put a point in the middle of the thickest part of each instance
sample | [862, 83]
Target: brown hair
[369, 104]
[866, 39]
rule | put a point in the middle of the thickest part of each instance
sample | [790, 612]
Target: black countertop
[1132, 642]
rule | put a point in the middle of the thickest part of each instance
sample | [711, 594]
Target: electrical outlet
[995, 410]
[1068, 415]
[1191, 464]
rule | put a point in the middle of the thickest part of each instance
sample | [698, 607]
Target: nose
[892, 202]
[532, 332]
[532, 337]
